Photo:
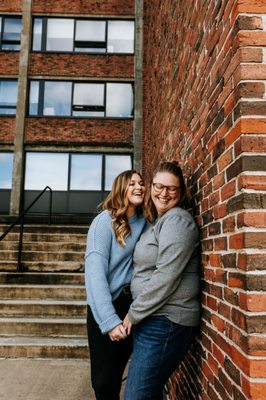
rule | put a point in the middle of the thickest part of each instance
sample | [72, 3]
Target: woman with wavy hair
[111, 241]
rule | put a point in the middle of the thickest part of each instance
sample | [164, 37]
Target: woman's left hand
[127, 325]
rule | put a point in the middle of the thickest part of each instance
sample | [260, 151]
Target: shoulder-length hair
[117, 204]
[172, 167]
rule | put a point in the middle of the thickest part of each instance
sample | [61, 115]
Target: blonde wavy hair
[117, 204]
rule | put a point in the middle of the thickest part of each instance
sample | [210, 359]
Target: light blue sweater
[108, 267]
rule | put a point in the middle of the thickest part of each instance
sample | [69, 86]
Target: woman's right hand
[117, 333]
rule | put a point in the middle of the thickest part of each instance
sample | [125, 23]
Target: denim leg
[159, 346]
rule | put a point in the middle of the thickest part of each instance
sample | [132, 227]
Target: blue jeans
[159, 346]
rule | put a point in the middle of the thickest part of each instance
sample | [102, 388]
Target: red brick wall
[204, 105]
[104, 7]
[9, 63]
[7, 128]
[14, 6]
[82, 65]
[78, 131]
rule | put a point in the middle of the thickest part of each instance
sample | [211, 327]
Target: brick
[232, 371]
[252, 219]
[251, 55]
[229, 224]
[252, 38]
[228, 190]
[246, 163]
[251, 90]
[246, 22]
[225, 159]
[245, 201]
[253, 182]
[251, 262]
[250, 144]
[253, 302]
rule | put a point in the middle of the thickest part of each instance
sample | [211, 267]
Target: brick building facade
[204, 74]
[204, 105]
[69, 95]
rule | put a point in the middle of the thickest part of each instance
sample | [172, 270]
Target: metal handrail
[20, 219]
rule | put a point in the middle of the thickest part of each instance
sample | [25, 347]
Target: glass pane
[88, 94]
[93, 31]
[60, 34]
[34, 97]
[120, 37]
[6, 165]
[119, 101]
[12, 29]
[37, 34]
[115, 164]
[8, 96]
[57, 98]
[86, 172]
[44, 169]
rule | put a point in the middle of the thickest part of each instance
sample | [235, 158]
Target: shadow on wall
[184, 383]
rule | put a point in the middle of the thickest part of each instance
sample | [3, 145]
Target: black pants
[108, 359]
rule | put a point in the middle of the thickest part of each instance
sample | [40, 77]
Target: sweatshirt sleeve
[177, 237]
[99, 243]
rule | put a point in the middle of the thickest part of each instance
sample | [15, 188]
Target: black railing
[20, 219]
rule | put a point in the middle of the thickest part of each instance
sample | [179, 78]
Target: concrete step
[43, 255]
[42, 347]
[59, 292]
[53, 246]
[45, 237]
[48, 266]
[43, 308]
[45, 228]
[42, 278]
[46, 327]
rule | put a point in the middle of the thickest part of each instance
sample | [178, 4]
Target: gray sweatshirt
[166, 270]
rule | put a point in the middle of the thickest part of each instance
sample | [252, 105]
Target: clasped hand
[121, 331]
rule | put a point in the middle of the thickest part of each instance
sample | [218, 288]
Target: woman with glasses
[165, 312]
[108, 268]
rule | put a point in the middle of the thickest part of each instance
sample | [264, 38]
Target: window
[114, 164]
[81, 99]
[73, 172]
[8, 96]
[80, 35]
[10, 30]
[6, 166]
[44, 169]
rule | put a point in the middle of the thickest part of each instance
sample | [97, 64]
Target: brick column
[204, 105]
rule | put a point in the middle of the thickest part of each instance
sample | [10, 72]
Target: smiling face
[165, 191]
[135, 193]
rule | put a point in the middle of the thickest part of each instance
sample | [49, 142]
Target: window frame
[7, 106]
[76, 107]
[93, 45]
[14, 42]
[70, 167]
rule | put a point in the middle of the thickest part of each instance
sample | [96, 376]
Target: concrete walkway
[35, 379]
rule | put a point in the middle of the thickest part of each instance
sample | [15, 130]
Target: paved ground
[35, 379]
[25, 379]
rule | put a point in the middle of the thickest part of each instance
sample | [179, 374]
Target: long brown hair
[173, 168]
[117, 204]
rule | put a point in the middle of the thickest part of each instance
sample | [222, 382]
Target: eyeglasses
[158, 187]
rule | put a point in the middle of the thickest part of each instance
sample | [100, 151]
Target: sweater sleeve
[99, 243]
[177, 237]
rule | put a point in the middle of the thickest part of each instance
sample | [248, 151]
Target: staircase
[43, 310]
